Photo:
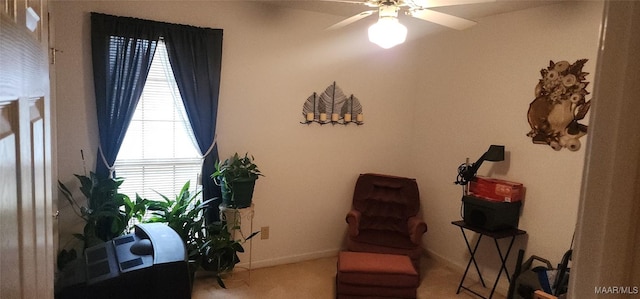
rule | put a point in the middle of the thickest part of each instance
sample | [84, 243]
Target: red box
[496, 189]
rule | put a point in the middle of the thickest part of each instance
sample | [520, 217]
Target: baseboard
[471, 275]
[291, 259]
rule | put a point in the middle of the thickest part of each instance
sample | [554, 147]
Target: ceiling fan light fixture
[387, 32]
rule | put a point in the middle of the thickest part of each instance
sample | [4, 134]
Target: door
[26, 222]
[607, 235]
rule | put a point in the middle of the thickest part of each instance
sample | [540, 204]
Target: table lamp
[466, 171]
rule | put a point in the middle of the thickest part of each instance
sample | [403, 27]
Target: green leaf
[238, 247]
[86, 184]
[252, 235]
[66, 192]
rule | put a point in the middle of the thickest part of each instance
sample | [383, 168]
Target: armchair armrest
[353, 219]
[417, 227]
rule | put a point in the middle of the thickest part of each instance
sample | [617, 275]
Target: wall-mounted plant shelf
[332, 107]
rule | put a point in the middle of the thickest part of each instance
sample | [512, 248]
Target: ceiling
[468, 11]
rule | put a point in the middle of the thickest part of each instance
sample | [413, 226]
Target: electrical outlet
[264, 232]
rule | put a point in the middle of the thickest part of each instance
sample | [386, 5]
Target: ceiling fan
[388, 32]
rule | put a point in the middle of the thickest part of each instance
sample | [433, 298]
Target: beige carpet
[316, 279]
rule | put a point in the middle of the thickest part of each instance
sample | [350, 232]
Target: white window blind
[158, 152]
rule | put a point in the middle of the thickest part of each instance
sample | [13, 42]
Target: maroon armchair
[384, 217]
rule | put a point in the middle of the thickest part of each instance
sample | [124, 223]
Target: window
[158, 152]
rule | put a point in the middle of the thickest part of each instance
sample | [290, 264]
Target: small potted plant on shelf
[237, 178]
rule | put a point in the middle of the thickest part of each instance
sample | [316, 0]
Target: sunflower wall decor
[559, 105]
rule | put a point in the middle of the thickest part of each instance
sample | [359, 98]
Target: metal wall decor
[559, 105]
[332, 107]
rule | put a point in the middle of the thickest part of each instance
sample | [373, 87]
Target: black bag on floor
[544, 277]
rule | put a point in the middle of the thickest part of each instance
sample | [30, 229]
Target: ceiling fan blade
[440, 3]
[345, 1]
[442, 19]
[352, 19]
[367, 3]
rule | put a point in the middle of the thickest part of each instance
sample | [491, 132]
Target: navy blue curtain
[195, 55]
[122, 52]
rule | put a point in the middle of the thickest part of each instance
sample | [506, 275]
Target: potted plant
[237, 177]
[184, 215]
[210, 247]
[218, 249]
[106, 212]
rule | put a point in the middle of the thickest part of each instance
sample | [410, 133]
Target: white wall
[428, 104]
[272, 61]
[475, 91]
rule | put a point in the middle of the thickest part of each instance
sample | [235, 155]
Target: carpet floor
[315, 279]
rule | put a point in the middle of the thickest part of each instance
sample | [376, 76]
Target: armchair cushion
[385, 238]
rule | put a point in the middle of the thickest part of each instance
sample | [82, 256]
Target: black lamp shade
[494, 153]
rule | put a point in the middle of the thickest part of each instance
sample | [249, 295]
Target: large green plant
[184, 214]
[106, 212]
[210, 247]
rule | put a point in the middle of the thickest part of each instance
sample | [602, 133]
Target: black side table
[495, 235]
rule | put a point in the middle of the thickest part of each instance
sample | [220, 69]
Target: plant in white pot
[237, 178]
